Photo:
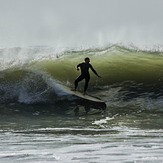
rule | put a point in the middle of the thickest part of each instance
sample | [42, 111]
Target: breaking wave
[129, 76]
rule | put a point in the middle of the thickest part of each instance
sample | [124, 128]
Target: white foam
[102, 121]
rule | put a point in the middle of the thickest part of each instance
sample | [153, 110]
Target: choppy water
[104, 137]
[37, 120]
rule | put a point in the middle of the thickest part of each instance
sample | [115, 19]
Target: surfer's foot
[73, 89]
[84, 93]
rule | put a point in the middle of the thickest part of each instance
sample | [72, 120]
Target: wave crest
[127, 74]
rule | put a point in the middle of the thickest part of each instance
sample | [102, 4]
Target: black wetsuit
[84, 74]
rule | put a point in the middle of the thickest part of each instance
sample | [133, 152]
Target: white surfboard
[79, 94]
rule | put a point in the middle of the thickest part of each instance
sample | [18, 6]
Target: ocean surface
[37, 118]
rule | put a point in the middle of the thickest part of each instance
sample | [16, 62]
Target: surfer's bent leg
[81, 77]
[86, 83]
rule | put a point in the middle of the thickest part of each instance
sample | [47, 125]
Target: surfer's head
[87, 60]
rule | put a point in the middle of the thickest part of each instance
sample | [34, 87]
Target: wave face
[129, 76]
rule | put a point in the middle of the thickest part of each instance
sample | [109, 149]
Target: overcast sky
[74, 23]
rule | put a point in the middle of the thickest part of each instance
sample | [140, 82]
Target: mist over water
[80, 23]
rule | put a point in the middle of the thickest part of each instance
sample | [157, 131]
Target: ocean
[37, 118]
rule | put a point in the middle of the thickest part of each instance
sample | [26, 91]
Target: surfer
[84, 74]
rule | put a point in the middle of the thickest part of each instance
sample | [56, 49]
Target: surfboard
[80, 95]
[86, 101]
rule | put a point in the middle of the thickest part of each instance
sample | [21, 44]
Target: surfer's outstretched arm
[94, 71]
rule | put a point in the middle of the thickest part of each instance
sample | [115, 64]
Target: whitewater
[38, 123]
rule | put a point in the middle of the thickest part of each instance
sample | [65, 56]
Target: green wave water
[128, 75]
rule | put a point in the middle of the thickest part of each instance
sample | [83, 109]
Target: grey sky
[80, 22]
